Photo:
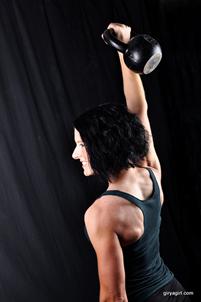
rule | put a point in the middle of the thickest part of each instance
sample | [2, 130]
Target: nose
[75, 154]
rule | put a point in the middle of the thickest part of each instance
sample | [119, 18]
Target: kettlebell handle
[109, 38]
[142, 53]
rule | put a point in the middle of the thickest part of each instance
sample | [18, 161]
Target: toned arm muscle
[135, 95]
[109, 256]
[136, 103]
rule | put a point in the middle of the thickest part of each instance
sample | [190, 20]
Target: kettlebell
[142, 53]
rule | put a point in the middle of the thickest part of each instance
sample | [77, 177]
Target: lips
[84, 163]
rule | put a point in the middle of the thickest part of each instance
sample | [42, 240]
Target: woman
[114, 141]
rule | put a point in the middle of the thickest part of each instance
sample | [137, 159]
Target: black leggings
[171, 292]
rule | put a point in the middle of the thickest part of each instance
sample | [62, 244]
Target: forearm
[133, 88]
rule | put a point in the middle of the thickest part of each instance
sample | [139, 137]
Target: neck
[123, 176]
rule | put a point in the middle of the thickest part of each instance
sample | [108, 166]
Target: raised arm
[135, 95]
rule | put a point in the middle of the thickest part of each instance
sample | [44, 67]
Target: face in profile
[80, 153]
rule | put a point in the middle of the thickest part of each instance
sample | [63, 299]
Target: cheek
[85, 154]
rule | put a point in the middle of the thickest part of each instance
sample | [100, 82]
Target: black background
[53, 66]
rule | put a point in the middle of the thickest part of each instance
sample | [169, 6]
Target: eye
[80, 145]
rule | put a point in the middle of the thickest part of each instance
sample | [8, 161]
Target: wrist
[124, 67]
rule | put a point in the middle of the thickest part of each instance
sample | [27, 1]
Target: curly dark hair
[114, 138]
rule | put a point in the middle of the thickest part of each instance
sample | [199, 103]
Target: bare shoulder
[101, 212]
[100, 219]
[114, 215]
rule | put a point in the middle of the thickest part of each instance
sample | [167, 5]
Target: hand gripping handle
[110, 39]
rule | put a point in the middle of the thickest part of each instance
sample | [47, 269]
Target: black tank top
[144, 268]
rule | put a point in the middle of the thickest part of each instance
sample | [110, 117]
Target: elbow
[142, 110]
[115, 293]
[121, 299]
[114, 298]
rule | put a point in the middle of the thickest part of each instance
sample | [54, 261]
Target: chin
[88, 173]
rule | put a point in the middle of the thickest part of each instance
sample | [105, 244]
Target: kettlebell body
[142, 54]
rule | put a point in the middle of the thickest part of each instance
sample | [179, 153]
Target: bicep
[110, 264]
[109, 258]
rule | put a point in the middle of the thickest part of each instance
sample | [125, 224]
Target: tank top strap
[140, 203]
[154, 180]
[126, 196]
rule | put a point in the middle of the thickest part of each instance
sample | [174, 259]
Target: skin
[80, 153]
[111, 221]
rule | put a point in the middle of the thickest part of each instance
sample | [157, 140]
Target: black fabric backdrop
[53, 66]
